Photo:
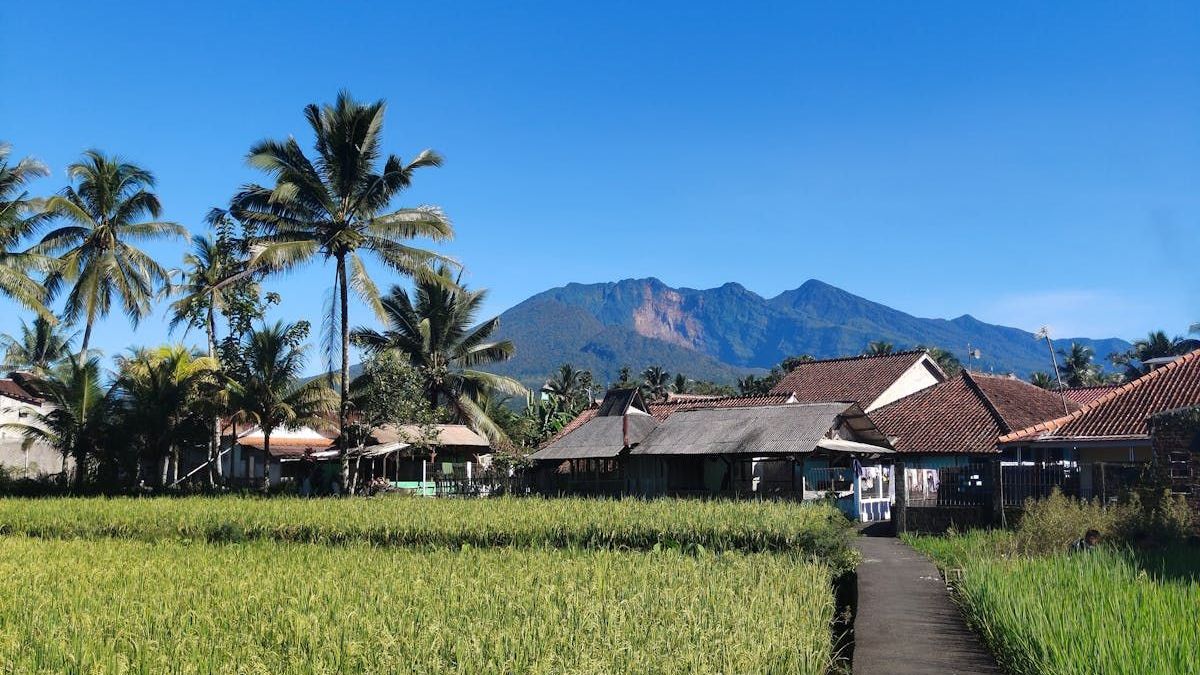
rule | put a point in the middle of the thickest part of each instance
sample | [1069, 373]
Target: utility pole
[1044, 333]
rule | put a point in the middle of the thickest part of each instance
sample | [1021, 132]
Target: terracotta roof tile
[965, 414]
[12, 390]
[1085, 395]
[860, 379]
[1123, 412]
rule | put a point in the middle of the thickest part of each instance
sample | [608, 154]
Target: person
[1089, 541]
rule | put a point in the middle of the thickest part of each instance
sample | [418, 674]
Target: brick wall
[1176, 437]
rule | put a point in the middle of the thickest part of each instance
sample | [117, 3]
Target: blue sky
[1027, 163]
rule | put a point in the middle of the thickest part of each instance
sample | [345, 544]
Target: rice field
[1106, 611]
[412, 585]
[812, 530]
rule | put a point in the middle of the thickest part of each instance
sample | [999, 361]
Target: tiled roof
[965, 414]
[1123, 412]
[1085, 395]
[11, 389]
[855, 378]
[661, 411]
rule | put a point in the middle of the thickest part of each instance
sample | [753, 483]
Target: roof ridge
[987, 401]
[857, 357]
[1058, 422]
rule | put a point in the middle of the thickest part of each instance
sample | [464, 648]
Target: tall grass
[811, 530]
[108, 606]
[1106, 611]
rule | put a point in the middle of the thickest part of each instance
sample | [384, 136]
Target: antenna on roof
[972, 354]
[1044, 334]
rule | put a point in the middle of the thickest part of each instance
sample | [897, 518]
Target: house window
[1179, 465]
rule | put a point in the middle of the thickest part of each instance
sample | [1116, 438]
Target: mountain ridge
[723, 332]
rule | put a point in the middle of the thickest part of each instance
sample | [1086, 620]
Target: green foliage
[111, 206]
[1150, 516]
[1104, 611]
[655, 383]
[38, 348]
[20, 216]
[1043, 380]
[391, 391]
[360, 608]
[436, 330]
[337, 207]
[76, 421]
[808, 530]
[1155, 345]
[570, 386]
[879, 348]
[758, 386]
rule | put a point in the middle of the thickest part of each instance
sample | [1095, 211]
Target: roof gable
[1124, 412]
[861, 379]
[965, 414]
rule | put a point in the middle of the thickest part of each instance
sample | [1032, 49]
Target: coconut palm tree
[434, 330]
[20, 217]
[163, 392]
[339, 206]
[655, 382]
[1078, 369]
[570, 385]
[1043, 380]
[75, 420]
[107, 212]
[271, 392]
[681, 384]
[37, 348]
[879, 348]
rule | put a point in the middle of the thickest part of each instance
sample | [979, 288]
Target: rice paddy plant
[110, 605]
[1106, 611]
[811, 530]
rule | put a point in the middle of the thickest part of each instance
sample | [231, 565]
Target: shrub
[1150, 517]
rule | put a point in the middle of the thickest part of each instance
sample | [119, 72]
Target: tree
[1043, 380]
[947, 361]
[433, 330]
[655, 382]
[624, 378]
[1155, 345]
[792, 362]
[270, 393]
[338, 206]
[37, 348]
[1078, 370]
[106, 211]
[751, 386]
[571, 386]
[879, 348]
[74, 421]
[162, 394]
[681, 384]
[20, 217]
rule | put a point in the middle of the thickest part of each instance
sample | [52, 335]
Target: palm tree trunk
[344, 301]
[214, 441]
[266, 477]
[87, 339]
[164, 466]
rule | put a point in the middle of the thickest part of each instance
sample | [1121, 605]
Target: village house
[947, 432]
[20, 403]
[716, 447]
[870, 381]
[1110, 440]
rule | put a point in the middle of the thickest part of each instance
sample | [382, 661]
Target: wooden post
[998, 494]
[900, 509]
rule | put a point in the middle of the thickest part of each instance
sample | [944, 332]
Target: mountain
[721, 333]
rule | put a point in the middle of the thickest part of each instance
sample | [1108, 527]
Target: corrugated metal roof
[447, 435]
[599, 437]
[762, 430]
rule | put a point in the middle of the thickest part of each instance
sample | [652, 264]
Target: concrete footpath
[906, 621]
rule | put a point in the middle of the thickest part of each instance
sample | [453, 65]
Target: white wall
[919, 376]
[40, 458]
